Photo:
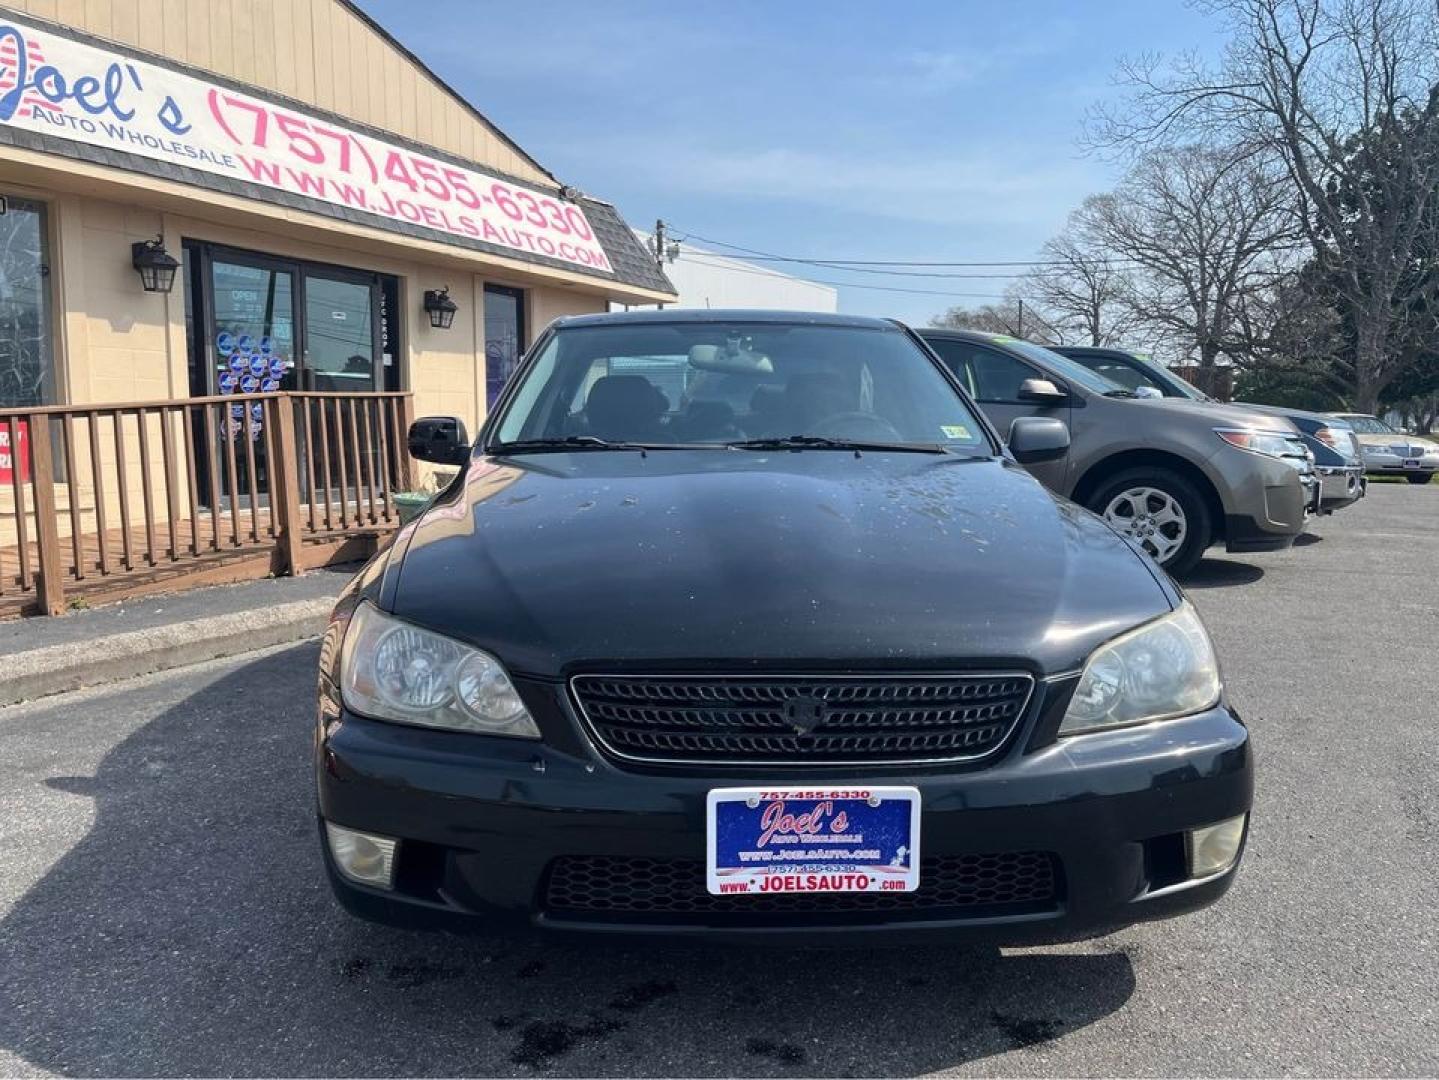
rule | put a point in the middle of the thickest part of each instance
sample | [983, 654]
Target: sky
[940, 130]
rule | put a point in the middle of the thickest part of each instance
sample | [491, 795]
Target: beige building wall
[317, 52]
[546, 305]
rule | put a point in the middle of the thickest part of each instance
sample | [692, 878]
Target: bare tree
[1079, 286]
[1014, 316]
[1322, 87]
[1203, 231]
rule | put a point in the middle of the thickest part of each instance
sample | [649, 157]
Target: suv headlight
[1276, 444]
[1163, 669]
[393, 670]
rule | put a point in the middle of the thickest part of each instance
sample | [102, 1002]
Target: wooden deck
[162, 559]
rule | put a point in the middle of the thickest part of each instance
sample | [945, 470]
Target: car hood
[1221, 415]
[736, 560]
[1385, 441]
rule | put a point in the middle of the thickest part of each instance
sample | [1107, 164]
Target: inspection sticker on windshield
[954, 431]
[805, 840]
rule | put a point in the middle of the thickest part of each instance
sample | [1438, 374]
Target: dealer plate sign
[807, 840]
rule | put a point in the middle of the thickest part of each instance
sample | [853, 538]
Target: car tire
[1418, 477]
[1174, 524]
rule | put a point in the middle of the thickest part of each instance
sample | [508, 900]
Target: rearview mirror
[1034, 439]
[1042, 391]
[441, 440]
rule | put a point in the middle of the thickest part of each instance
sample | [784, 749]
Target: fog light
[366, 858]
[1213, 849]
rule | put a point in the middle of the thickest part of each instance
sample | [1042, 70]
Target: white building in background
[704, 279]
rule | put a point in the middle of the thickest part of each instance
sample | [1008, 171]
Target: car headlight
[1275, 444]
[1163, 669]
[393, 670]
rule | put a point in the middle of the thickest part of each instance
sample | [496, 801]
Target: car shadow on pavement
[190, 932]
[1221, 574]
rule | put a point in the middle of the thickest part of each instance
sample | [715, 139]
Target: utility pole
[1021, 318]
[659, 242]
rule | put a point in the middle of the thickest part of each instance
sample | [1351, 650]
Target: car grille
[747, 720]
[648, 889]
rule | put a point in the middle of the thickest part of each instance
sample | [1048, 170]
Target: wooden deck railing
[116, 498]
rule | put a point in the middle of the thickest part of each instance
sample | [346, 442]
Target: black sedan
[748, 624]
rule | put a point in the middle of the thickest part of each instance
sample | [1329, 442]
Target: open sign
[8, 453]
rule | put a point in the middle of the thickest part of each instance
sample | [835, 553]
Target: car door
[993, 377]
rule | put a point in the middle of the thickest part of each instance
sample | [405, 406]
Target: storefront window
[259, 323]
[26, 372]
[504, 337]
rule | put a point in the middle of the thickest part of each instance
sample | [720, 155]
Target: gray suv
[1174, 475]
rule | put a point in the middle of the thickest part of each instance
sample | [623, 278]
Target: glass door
[341, 347]
[26, 372]
[251, 350]
[504, 337]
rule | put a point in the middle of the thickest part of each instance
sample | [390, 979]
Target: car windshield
[1061, 365]
[725, 383]
[1370, 425]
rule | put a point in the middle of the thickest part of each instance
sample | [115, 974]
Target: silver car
[1393, 453]
[1173, 474]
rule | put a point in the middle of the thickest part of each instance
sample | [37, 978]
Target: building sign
[19, 454]
[59, 87]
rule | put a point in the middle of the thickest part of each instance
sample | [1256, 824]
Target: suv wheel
[1158, 509]
[1418, 477]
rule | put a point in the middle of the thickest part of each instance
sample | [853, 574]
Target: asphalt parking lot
[162, 909]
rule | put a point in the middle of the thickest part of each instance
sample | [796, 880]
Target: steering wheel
[858, 425]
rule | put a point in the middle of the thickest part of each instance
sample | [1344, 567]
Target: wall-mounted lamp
[441, 308]
[156, 265]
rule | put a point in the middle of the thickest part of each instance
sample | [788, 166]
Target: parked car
[828, 666]
[1337, 460]
[1133, 370]
[1173, 474]
[1388, 452]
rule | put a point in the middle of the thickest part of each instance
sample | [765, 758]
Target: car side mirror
[441, 440]
[1041, 391]
[1038, 438]
[1148, 392]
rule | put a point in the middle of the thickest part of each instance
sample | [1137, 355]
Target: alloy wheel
[1152, 517]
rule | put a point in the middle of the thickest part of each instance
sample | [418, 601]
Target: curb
[57, 669]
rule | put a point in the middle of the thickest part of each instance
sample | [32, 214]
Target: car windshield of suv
[721, 384]
[1139, 371]
[1370, 425]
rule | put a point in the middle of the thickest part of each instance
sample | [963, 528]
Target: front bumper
[1386, 464]
[1340, 486]
[482, 821]
[1266, 500]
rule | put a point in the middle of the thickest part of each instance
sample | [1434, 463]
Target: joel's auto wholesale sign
[75, 91]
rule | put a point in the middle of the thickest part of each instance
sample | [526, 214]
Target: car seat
[625, 407]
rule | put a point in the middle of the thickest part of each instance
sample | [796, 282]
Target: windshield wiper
[824, 442]
[561, 443]
[1120, 393]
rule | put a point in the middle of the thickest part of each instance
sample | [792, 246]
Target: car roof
[957, 334]
[1354, 415]
[679, 316]
[1095, 350]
